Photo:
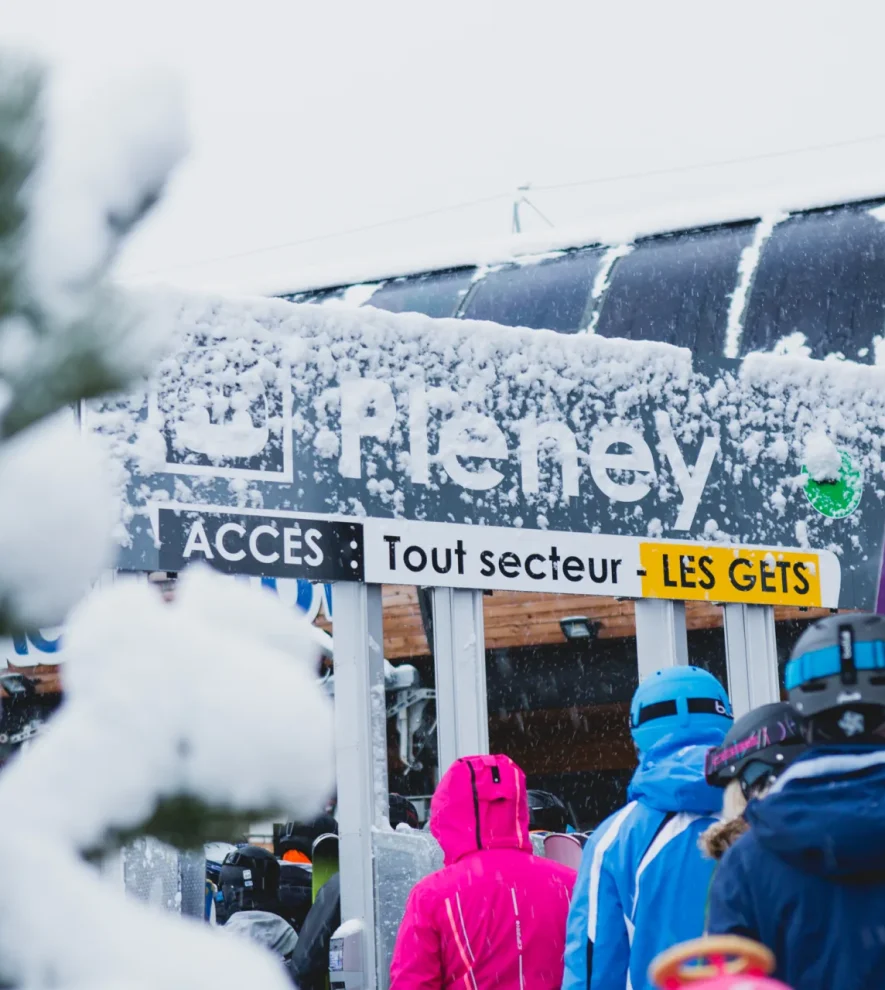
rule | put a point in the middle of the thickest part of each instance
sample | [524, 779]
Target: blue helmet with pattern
[677, 699]
[835, 679]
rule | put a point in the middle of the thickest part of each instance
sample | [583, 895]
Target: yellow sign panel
[693, 572]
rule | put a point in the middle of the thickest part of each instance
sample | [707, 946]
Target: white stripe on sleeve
[602, 847]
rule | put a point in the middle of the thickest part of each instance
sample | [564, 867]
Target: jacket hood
[670, 776]
[268, 929]
[826, 814]
[480, 804]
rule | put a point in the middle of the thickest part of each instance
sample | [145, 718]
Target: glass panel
[412, 754]
[560, 708]
[705, 624]
[676, 289]
[434, 294]
[412, 762]
[551, 294]
[821, 275]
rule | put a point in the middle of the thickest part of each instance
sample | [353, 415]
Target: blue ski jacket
[643, 881]
[808, 878]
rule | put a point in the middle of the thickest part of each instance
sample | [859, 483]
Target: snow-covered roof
[616, 228]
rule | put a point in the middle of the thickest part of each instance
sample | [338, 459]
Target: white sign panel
[493, 558]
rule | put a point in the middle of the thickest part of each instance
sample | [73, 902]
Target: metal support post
[661, 640]
[360, 751]
[751, 655]
[460, 661]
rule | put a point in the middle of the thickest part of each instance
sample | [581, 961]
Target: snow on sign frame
[297, 441]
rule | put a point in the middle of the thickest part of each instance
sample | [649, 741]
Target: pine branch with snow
[167, 727]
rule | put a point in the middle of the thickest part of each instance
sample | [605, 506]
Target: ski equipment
[249, 880]
[757, 748]
[403, 811]
[836, 679]
[546, 812]
[674, 699]
[325, 860]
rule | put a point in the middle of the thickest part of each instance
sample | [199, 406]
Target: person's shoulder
[561, 873]
[616, 822]
[430, 891]
[745, 852]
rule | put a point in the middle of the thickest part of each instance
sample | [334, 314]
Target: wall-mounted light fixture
[579, 627]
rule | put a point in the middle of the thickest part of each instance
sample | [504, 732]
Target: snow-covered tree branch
[165, 729]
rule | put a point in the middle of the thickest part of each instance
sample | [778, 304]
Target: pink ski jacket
[495, 915]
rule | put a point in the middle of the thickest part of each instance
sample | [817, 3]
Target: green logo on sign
[838, 498]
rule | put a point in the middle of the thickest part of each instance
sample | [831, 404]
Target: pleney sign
[493, 558]
[751, 575]
[393, 420]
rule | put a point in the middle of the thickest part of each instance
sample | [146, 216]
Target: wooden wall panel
[522, 618]
[566, 740]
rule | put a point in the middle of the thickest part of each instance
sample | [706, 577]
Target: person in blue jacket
[808, 878]
[643, 881]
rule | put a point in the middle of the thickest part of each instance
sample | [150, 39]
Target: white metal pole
[661, 639]
[459, 661]
[360, 751]
[751, 655]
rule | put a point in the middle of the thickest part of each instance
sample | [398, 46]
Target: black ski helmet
[301, 836]
[546, 812]
[249, 880]
[836, 679]
[402, 810]
[757, 748]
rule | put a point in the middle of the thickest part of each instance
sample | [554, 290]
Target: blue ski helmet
[674, 699]
[835, 679]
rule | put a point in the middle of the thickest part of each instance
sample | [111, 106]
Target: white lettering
[358, 396]
[312, 538]
[230, 527]
[690, 481]
[470, 434]
[639, 460]
[420, 402]
[263, 558]
[531, 433]
[291, 543]
[197, 541]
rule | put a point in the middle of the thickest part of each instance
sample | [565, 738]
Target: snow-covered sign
[292, 415]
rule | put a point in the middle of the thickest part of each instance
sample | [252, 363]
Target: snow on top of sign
[822, 457]
[482, 393]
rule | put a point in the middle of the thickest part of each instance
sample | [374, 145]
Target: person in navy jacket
[643, 881]
[808, 878]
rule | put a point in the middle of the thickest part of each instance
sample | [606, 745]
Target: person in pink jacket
[495, 915]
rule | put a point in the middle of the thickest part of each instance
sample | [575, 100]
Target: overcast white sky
[311, 117]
